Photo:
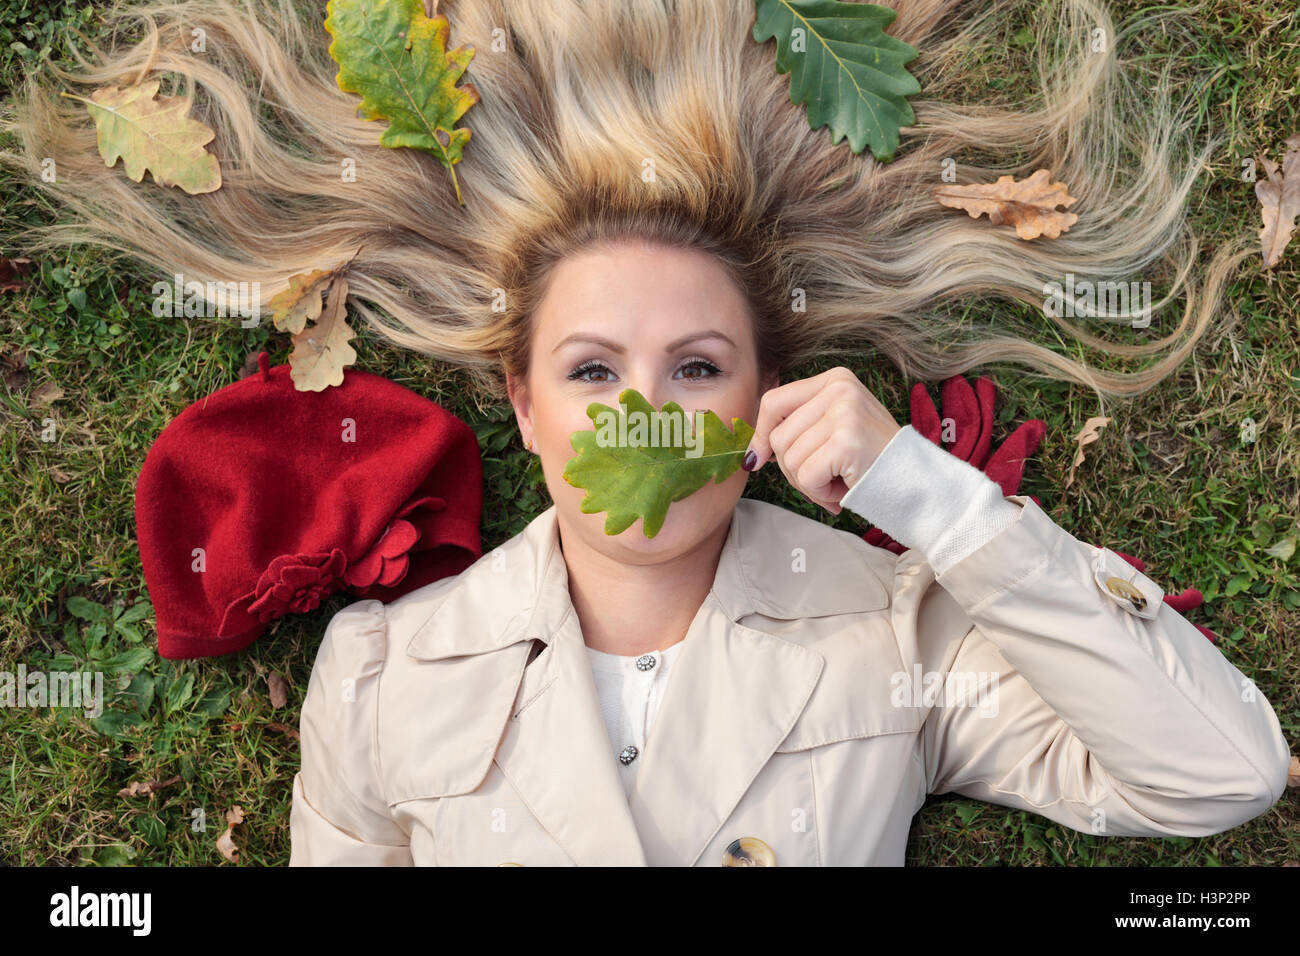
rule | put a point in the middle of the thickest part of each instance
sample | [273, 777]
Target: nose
[652, 393]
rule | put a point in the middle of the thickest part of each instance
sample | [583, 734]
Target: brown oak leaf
[321, 351]
[1279, 201]
[1029, 205]
[226, 842]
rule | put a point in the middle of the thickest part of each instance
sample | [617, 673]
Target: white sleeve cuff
[930, 500]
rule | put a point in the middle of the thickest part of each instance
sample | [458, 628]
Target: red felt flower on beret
[387, 562]
[295, 584]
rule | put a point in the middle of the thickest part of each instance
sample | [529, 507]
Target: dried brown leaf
[47, 393]
[279, 689]
[1088, 434]
[1029, 205]
[321, 351]
[1279, 201]
[226, 842]
[142, 788]
[250, 365]
[15, 368]
[1293, 773]
[12, 272]
[284, 729]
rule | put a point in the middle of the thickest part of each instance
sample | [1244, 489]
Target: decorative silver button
[645, 662]
[627, 755]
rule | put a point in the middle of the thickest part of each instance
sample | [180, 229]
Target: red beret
[261, 500]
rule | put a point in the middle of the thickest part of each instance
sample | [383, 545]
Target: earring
[529, 445]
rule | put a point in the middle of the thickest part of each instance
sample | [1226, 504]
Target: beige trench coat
[825, 687]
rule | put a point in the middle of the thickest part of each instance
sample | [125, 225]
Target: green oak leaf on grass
[844, 67]
[637, 460]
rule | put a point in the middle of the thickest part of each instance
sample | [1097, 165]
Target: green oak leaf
[630, 474]
[397, 59]
[844, 67]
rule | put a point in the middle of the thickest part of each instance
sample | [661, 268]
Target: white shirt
[914, 491]
[629, 699]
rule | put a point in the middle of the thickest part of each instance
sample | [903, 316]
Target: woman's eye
[699, 368]
[599, 368]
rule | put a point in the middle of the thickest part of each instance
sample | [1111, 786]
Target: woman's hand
[824, 431]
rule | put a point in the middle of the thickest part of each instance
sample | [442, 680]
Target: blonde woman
[749, 686]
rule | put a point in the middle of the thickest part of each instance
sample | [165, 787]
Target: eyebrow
[615, 347]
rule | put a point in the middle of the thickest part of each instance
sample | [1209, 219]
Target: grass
[1172, 481]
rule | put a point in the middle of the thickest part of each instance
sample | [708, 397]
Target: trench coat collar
[734, 694]
[520, 590]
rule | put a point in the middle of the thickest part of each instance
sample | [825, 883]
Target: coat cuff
[930, 500]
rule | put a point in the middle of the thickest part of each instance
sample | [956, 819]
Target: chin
[688, 523]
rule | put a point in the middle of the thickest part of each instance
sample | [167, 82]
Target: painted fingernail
[750, 460]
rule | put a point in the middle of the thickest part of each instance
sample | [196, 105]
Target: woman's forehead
[642, 292]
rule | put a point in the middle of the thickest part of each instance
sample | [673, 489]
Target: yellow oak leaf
[300, 303]
[153, 134]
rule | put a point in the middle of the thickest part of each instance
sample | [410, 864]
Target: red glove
[971, 411]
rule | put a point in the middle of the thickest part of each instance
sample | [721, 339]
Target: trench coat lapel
[556, 753]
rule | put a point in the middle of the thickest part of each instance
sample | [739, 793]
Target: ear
[517, 389]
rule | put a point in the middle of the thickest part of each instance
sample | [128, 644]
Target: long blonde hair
[576, 103]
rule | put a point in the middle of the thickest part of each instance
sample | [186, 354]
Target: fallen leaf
[300, 303]
[396, 58]
[1088, 434]
[284, 729]
[632, 474]
[142, 788]
[15, 369]
[12, 272]
[1279, 201]
[321, 351]
[848, 71]
[250, 365]
[1293, 773]
[59, 475]
[279, 690]
[154, 135]
[1283, 548]
[226, 842]
[47, 393]
[1029, 205]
